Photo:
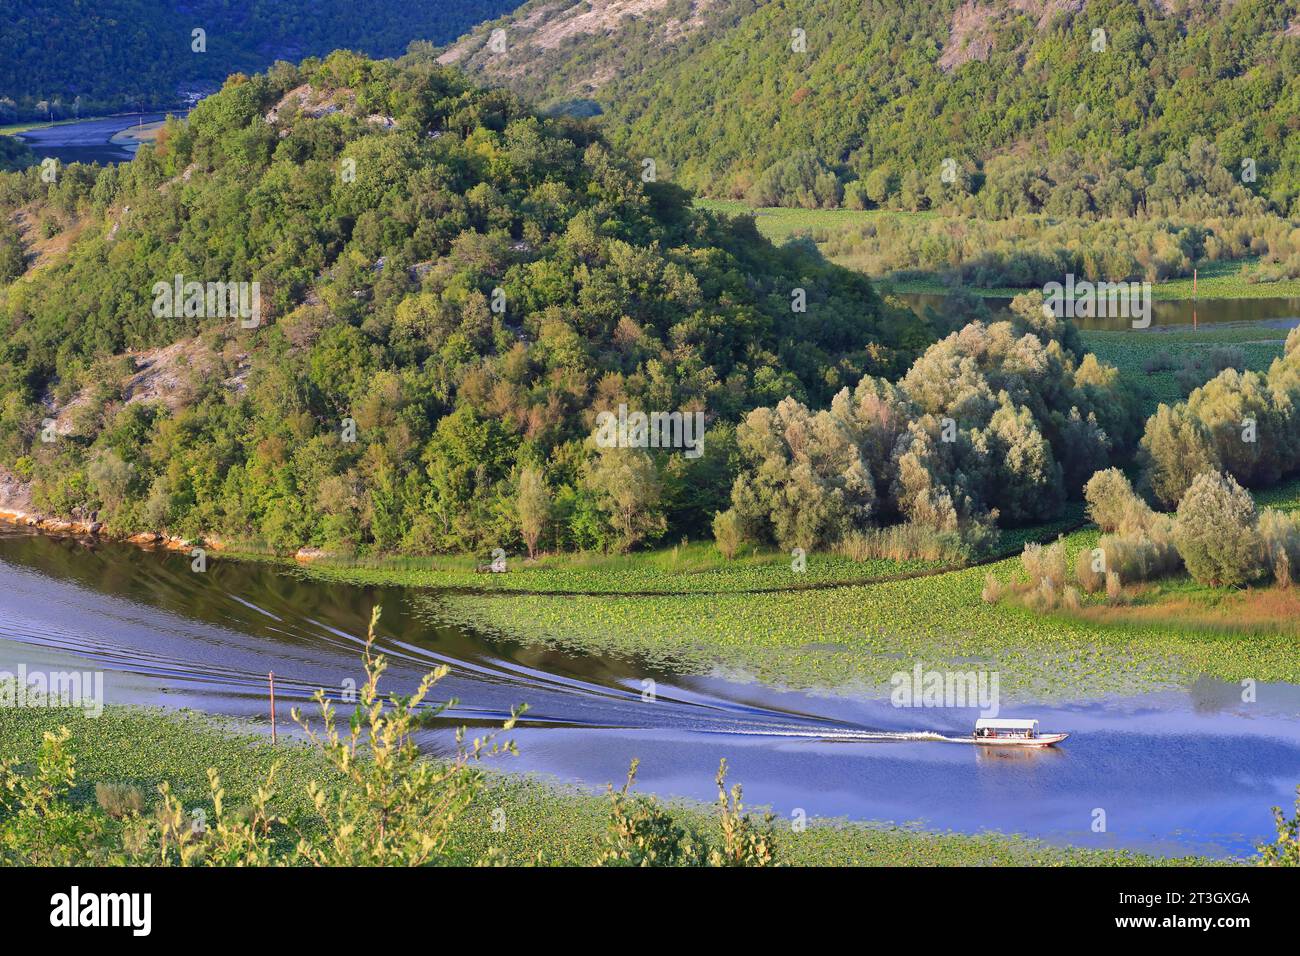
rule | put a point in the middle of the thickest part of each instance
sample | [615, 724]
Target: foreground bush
[1285, 851]
[642, 833]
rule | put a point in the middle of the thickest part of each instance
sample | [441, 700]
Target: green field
[779, 223]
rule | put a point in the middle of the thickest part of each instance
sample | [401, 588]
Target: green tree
[629, 492]
[1216, 531]
[533, 505]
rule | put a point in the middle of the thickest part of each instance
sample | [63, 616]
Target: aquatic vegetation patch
[856, 636]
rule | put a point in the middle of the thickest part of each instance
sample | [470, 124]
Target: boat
[999, 732]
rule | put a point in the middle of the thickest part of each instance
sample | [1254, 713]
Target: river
[89, 140]
[1192, 771]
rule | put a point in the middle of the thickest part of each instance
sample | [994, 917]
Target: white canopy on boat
[985, 723]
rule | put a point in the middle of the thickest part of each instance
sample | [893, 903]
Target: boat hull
[1042, 740]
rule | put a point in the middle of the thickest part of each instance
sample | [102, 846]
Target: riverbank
[1215, 280]
[104, 139]
[535, 821]
[829, 637]
[838, 623]
[855, 637]
[686, 568]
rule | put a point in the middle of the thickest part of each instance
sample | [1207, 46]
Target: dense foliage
[1216, 535]
[1246, 423]
[886, 90]
[1085, 216]
[1004, 420]
[14, 154]
[62, 58]
[450, 280]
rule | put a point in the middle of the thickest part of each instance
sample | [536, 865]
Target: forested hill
[121, 54]
[717, 92]
[451, 288]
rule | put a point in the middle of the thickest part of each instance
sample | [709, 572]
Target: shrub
[1046, 595]
[1045, 564]
[1142, 554]
[1244, 423]
[389, 805]
[1280, 538]
[728, 532]
[1162, 361]
[1070, 599]
[1285, 850]
[1197, 370]
[38, 827]
[802, 180]
[642, 833]
[1112, 503]
[1175, 449]
[745, 841]
[119, 800]
[1216, 531]
[1090, 578]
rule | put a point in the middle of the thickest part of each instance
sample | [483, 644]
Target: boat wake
[163, 652]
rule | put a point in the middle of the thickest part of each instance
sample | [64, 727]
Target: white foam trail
[844, 734]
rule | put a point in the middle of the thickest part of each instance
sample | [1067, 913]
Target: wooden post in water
[1193, 298]
[270, 679]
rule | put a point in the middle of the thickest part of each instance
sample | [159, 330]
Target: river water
[1192, 771]
[1280, 311]
[88, 141]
